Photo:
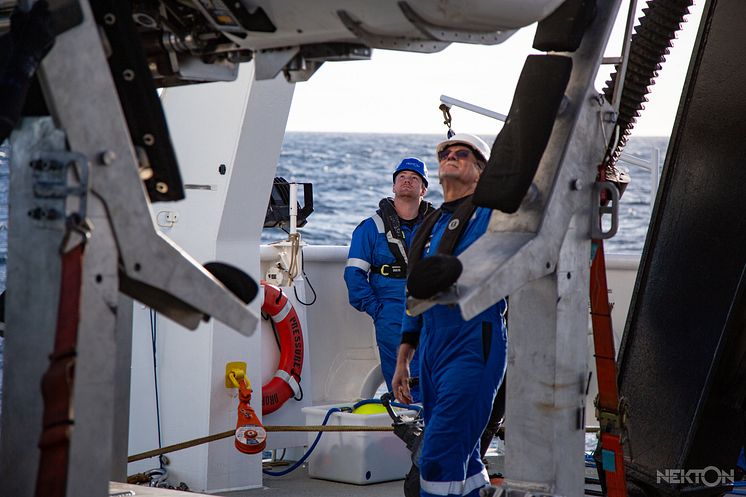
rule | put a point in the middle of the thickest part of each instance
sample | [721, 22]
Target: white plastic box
[356, 457]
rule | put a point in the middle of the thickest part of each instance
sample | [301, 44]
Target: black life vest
[459, 221]
[395, 237]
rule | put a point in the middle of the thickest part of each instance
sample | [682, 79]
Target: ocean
[351, 172]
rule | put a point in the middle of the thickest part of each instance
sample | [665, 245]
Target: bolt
[110, 18]
[41, 213]
[148, 139]
[576, 184]
[161, 187]
[146, 173]
[222, 169]
[128, 74]
[107, 157]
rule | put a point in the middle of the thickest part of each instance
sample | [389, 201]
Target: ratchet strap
[608, 405]
[57, 383]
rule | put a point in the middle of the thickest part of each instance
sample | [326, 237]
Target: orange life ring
[286, 381]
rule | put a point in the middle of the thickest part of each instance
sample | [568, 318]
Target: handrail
[651, 165]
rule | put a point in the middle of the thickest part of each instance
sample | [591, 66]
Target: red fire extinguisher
[251, 437]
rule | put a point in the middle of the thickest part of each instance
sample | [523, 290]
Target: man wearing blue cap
[376, 268]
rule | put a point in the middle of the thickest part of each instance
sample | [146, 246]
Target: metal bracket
[269, 63]
[517, 488]
[611, 208]
[52, 174]
[449, 35]
[388, 42]
[51, 170]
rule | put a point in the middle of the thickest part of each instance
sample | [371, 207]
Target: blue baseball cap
[412, 164]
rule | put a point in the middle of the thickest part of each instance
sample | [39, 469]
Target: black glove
[433, 275]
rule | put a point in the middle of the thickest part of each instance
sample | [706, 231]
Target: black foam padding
[433, 275]
[563, 30]
[520, 145]
[239, 283]
[139, 98]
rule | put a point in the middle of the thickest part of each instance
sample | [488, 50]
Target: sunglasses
[460, 154]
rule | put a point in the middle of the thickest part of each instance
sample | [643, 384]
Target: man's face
[459, 163]
[409, 184]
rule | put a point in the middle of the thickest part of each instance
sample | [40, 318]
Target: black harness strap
[393, 231]
[450, 237]
[395, 238]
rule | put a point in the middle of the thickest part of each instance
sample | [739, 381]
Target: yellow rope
[269, 429]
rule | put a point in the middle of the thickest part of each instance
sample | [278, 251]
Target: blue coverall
[380, 296]
[462, 364]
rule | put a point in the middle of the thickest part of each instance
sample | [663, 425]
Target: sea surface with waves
[351, 172]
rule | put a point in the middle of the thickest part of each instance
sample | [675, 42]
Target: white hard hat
[474, 142]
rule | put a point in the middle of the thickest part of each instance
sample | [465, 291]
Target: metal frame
[450, 35]
[124, 251]
[389, 42]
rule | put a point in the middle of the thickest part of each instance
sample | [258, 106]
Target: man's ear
[424, 191]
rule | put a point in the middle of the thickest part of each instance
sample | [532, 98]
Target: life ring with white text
[286, 381]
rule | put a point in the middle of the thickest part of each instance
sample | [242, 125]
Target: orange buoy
[286, 381]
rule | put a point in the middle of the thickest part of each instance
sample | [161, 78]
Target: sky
[398, 92]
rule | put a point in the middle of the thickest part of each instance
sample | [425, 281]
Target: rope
[294, 268]
[231, 433]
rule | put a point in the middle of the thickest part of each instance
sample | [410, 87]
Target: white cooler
[356, 457]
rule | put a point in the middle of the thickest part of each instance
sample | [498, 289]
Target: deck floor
[296, 484]
[299, 484]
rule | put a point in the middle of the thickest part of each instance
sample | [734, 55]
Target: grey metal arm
[154, 270]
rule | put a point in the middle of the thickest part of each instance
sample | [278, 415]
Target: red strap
[57, 383]
[608, 394]
[603, 336]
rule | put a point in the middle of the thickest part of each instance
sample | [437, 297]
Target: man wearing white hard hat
[462, 363]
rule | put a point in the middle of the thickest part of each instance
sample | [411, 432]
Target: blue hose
[323, 423]
[308, 452]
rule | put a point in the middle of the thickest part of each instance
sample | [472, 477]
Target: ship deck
[295, 484]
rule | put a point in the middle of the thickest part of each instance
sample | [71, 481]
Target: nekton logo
[709, 476]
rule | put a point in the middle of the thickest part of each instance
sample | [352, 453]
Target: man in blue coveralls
[462, 363]
[376, 268]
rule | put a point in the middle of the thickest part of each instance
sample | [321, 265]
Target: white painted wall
[239, 124]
